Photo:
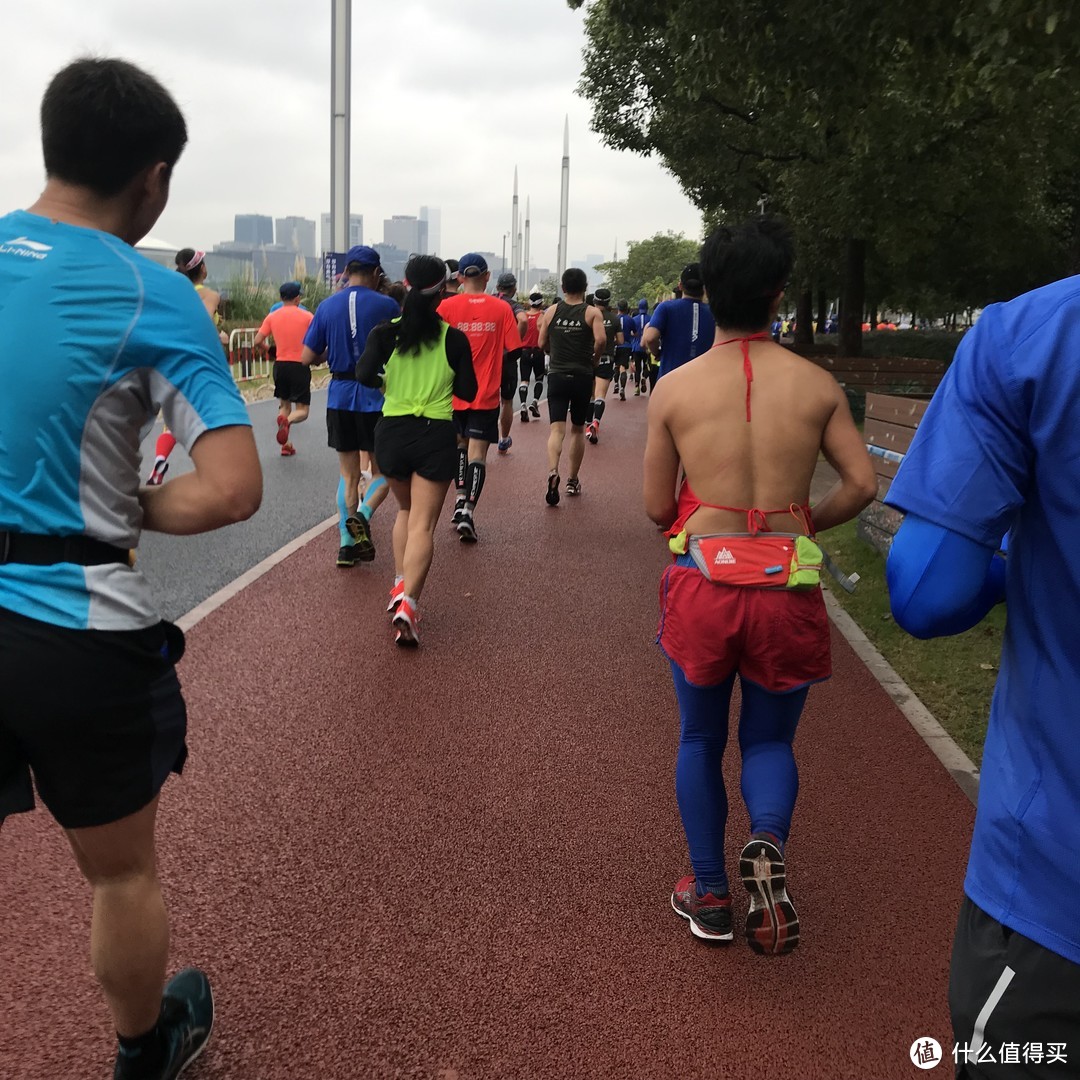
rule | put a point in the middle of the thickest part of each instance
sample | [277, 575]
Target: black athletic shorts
[606, 368]
[348, 431]
[569, 393]
[532, 365]
[292, 382]
[482, 424]
[622, 355]
[1019, 993]
[95, 715]
[509, 386]
[405, 445]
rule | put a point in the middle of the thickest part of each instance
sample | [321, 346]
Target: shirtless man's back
[745, 421]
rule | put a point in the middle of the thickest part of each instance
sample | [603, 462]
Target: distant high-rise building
[406, 232]
[356, 230]
[393, 260]
[253, 229]
[433, 216]
[296, 234]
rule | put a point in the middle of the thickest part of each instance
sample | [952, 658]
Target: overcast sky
[447, 97]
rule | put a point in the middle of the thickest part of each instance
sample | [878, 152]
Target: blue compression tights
[770, 778]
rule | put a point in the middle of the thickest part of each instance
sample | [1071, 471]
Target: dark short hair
[103, 121]
[744, 268]
[574, 281]
[690, 280]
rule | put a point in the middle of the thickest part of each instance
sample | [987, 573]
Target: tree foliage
[651, 267]
[930, 143]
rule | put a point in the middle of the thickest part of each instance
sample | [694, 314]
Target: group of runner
[733, 442]
[574, 347]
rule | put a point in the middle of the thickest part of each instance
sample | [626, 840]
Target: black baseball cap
[290, 290]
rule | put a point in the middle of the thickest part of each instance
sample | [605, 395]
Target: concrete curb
[212, 603]
[960, 767]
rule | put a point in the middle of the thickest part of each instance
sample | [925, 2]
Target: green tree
[886, 133]
[650, 266]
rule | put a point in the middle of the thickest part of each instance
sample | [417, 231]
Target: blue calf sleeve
[343, 513]
[376, 485]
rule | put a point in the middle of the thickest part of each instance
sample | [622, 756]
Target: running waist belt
[47, 550]
[348, 376]
[764, 560]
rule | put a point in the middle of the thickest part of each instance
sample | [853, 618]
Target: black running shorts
[508, 389]
[532, 365]
[348, 431]
[481, 424]
[605, 370]
[1016, 992]
[405, 445]
[292, 382]
[95, 715]
[569, 393]
[622, 356]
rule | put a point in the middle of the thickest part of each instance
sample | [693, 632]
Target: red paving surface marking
[456, 864]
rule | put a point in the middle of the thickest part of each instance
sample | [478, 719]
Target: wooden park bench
[883, 374]
[890, 426]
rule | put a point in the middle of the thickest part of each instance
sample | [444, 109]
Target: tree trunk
[804, 318]
[873, 316]
[853, 297]
[822, 311]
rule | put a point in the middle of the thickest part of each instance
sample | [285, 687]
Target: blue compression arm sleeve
[940, 582]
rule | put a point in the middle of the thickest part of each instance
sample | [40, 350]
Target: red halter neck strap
[748, 368]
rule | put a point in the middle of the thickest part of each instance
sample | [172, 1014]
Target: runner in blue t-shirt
[681, 329]
[642, 359]
[337, 334]
[997, 453]
[624, 351]
[96, 338]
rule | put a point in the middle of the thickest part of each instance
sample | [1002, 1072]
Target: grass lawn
[954, 676]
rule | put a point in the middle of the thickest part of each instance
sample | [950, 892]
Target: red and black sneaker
[282, 430]
[709, 916]
[772, 927]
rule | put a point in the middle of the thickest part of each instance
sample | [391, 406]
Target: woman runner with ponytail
[192, 264]
[420, 363]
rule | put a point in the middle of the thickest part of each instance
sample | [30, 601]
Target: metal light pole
[340, 88]
[503, 271]
[564, 205]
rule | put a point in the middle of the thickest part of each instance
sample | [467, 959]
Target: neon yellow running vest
[420, 384]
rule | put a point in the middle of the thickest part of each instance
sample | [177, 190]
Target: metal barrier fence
[245, 361]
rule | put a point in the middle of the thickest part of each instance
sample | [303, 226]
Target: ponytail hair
[188, 263]
[420, 323]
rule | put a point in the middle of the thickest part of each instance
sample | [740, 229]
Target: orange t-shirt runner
[287, 326]
[491, 327]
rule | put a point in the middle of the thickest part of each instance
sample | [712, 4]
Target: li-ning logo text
[24, 248]
[724, 558]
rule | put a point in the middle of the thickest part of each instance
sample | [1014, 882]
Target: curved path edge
[959, 766]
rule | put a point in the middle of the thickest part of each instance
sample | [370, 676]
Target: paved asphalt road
[298, 493]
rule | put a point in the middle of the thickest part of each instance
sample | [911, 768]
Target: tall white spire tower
[564, 205]
[515, 230]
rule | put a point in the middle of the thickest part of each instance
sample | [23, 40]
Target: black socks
[143, 1056]
[598, 409]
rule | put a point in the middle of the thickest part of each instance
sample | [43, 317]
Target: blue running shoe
[505, 444]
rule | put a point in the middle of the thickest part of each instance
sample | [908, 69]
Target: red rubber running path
[455, 863]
